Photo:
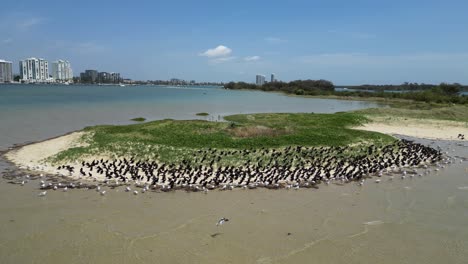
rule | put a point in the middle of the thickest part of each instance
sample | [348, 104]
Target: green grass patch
[138, 119]
[175, 140]
[202, 114]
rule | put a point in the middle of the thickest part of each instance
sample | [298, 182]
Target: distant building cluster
[175, 81]
[261, 79]
[6, 71]
[93, 76]
[36, 70]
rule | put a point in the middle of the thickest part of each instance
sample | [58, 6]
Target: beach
[80, 225]
[419, 128]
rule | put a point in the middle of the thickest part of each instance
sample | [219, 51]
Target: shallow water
[415, 220]
[37, 112]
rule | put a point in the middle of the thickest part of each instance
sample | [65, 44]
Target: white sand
[33, 156]
[420, 128]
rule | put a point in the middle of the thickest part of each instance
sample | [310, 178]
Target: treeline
[297, 87]
[442, 93]
[401, 87]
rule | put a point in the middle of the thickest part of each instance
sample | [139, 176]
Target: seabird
[221, 221]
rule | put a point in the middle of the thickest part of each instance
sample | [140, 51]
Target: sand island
[274, 151]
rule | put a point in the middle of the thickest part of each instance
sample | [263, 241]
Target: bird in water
[43, 193]
[222, 221]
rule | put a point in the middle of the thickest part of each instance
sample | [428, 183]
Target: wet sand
[415, 220]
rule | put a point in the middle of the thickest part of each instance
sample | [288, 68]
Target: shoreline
[30, 157]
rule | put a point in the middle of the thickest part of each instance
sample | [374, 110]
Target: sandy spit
[420, 128]
[33, 156]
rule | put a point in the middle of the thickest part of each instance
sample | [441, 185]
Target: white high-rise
[62, 71]
[6, 71]
[34, 70]
[260, 80]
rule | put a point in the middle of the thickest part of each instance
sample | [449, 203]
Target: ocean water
[415, 220]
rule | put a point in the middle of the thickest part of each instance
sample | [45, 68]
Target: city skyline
[344, 42]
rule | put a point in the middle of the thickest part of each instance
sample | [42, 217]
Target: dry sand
[420, 128]
[34, 156]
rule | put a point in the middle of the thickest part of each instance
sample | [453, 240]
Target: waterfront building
[89, 76]
[104, 77]
[115, 77]
[6, 71]
[62, 71]
[34, 70]
[260, 80]
[273, 79]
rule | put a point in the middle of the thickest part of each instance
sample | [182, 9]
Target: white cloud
[220, 51]
[252, 58]
[275, 40]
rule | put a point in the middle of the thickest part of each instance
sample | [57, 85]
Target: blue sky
[347, 42]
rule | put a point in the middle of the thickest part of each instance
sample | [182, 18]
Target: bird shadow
[215, 235]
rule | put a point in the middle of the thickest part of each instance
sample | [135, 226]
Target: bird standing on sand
[221, 221]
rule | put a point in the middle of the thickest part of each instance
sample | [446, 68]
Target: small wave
[463, 188]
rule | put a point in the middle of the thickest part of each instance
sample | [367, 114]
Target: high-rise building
[104, 77]
[6, 71]
[62, 71]
[273, 78]
[34, 70]
[115, 77]
[260, 80]
[89, 76]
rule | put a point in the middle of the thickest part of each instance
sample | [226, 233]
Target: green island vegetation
[176, 141]
[443, 93]
[138, 119]
[202, 114]
[192, 141]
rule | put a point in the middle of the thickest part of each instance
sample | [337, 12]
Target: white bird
[377, 181]
[22, 183]
[135, 192]
[65, 189]
[222, 221]
[42, 193]
[55, 187]
[98, 188]
[103, 193]
[127, 189]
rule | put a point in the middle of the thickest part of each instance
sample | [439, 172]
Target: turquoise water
[37, 112]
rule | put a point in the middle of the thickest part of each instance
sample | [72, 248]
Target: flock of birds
[289, 168]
